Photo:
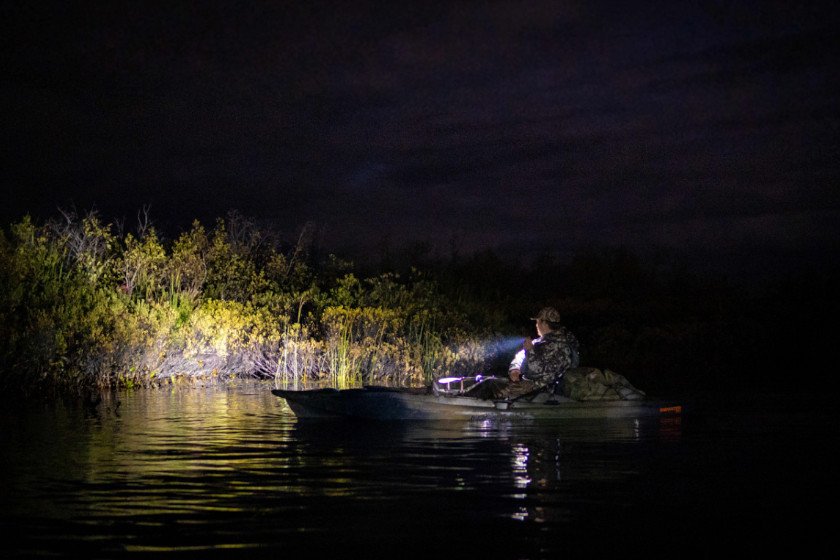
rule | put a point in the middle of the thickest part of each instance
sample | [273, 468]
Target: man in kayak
[542, 361]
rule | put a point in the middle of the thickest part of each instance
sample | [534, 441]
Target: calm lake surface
[229, 472]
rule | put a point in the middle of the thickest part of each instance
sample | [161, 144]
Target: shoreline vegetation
[85, 305]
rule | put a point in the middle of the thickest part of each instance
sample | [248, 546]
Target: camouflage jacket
[552, 355]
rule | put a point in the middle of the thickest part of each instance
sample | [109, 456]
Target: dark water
[230, 473]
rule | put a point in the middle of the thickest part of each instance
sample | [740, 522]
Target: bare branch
[144, 221]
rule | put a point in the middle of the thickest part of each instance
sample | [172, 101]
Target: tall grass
[83, 304]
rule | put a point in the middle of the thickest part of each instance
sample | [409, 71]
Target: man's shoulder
[558, 333]
[561, 334]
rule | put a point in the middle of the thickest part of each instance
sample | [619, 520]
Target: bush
[84, 306]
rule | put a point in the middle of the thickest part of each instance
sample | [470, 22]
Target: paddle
[504, 404]
[528, 394]
[549, 389]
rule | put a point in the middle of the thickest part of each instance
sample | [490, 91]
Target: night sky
[704, 128]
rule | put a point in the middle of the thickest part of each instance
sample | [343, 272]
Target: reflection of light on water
[520, 467]
[520, 478]
[670, 428]
[490, 427]
[636, 429]
[521, 514]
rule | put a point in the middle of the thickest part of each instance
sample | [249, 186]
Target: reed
[81, 304]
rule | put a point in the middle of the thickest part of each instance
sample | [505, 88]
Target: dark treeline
[85, 304]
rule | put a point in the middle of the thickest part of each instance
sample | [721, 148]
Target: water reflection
[549, 464]
[536, 471]
[220, 471]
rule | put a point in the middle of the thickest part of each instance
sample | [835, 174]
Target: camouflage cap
[547, 314]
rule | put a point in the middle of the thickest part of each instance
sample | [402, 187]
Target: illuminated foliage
[82, 305]
[187, 265]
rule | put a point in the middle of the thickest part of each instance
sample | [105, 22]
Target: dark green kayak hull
[380, 403]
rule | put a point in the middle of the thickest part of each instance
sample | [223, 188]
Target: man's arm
[515, 367]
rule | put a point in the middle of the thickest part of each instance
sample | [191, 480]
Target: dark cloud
[522, 126]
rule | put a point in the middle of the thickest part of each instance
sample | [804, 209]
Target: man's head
[547, 314]
[547, 320]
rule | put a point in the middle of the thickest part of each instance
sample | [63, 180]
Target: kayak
[451, 400]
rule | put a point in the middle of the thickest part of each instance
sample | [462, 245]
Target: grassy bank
[84, 304]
